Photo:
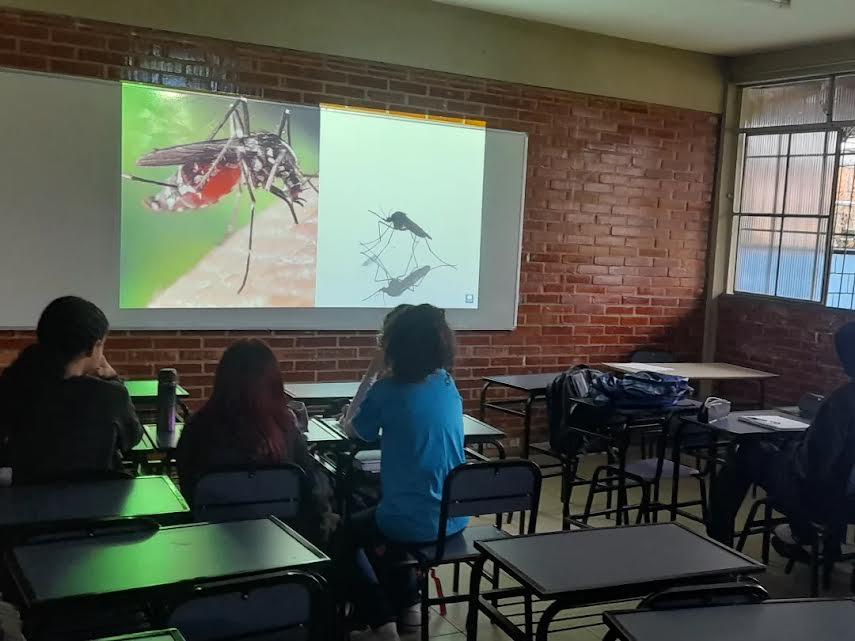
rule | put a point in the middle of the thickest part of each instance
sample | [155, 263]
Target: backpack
[641, 390]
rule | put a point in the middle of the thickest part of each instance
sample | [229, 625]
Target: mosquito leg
[433, 253]
[233, 222]
[204, 180]
[148, 181]
[248, 183]
[285, 125]
[281, 194]
[231, 110]
[273, 170]
[381, 235]
[308, 180]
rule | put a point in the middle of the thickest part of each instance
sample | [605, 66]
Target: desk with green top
[143, 395]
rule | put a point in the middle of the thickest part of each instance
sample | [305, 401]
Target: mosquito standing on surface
[211, 169]
[398, 221]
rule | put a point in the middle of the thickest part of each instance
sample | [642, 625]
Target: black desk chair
[746, 592]
[288, 606]
[242, 493]
[477, 489]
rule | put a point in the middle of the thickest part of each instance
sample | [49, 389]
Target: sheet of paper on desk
[775, 422]
[646, 367]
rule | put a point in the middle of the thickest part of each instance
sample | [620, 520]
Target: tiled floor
[451, 626]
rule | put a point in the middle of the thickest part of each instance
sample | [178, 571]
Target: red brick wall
[616, 214]
[794, 340]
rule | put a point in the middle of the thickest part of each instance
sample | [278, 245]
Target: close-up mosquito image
[211, 169]
[410, 275]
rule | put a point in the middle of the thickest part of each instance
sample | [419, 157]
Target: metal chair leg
[455, 581]
[767, 532]
[425, 605]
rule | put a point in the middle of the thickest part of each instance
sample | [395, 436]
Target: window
[794, 205]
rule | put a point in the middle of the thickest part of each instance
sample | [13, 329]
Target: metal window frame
[828, 126]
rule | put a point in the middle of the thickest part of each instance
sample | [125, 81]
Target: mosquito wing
[201, 152]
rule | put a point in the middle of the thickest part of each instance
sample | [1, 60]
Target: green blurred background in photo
[158, 247]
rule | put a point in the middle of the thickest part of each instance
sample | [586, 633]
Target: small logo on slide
[470, 298]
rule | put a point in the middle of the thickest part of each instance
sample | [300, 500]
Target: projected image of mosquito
[400, 223]
[393, 229]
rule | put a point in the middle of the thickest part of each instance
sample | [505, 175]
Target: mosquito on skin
[210, 170]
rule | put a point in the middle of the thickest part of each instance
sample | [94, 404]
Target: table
[733, 428]
[326, 434]
[797, 620]
[25, 507]
[152, 635]
[701, 372]
[163, 442]
[327, 397]
[143, 395]
[146, 390]
[573, 568]
[143, 563]
[533, 385]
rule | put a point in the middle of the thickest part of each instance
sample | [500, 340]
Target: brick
[82, 39]
[47, 49]
[76, 68]
[23, 62]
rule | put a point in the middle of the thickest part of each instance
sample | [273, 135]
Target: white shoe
[410, 617]
[386, 632]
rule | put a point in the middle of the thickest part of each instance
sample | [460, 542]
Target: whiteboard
[60, 196]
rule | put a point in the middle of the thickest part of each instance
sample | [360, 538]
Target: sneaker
[410, 617]
[386, 632]
[788, 546]
[784, 533]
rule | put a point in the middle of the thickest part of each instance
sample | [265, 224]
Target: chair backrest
[652, 356]
[230, 494]
[288, 606]
[490, 487]
[700, 596]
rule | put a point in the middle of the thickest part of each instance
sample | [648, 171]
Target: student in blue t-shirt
[410, 395]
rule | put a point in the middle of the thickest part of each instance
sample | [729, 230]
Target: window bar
[832, 218]
[822, 189]
[783, 209]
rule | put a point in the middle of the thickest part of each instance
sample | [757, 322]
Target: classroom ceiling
[722, 27]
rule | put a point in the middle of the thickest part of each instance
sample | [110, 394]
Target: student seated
[809, 481]
[62, 408]
[247, 422]
[416, 402]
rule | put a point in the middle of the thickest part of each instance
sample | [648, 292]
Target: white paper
[775, 422]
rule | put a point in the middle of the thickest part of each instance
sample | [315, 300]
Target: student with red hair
[247, 421]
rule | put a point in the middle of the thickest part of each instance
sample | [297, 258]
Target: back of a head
[248, 395]
[68, 327]
[844, 342]
[416, 342]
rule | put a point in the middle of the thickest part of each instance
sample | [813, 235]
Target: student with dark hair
[247, 422]
[416, 402]
[808, 482]
[62, 408]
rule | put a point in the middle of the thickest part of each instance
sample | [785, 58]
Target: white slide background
[433, 172]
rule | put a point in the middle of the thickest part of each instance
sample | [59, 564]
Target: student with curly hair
[416, 403]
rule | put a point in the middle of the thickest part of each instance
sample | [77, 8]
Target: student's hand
[105, 370]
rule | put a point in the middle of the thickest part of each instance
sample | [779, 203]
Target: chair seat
[461, 547]
[646, 469]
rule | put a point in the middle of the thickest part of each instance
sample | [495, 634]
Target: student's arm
[374, 370]
[365, 422]
[130, 430]
[824, 443]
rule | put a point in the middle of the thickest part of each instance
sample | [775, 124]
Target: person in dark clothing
[808, 482]
[247, 422]
[63, 411]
